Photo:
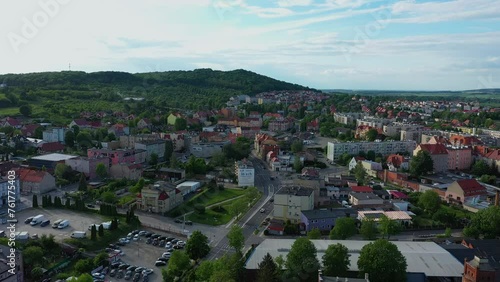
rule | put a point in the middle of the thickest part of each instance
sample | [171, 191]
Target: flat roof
[55, 157]
[421, 257]
[188, 183]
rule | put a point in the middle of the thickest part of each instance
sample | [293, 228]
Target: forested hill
[201, 81]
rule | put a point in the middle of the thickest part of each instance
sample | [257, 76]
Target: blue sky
[325, 44]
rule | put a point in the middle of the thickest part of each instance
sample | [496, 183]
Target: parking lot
[77, 222]
[138, 253]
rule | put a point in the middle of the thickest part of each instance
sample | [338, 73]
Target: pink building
[127, 156]
[459, 158]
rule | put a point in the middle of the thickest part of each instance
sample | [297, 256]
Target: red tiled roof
[139, 195]
[434, 149]
[30, 175]
[395, 160]
[52, 147]
[361, 189]
[494, 155]
[399, 195]
[471, 187]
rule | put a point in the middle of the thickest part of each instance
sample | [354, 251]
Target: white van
[55, 224]
[37, 219]
[78, 234]
[63, 224]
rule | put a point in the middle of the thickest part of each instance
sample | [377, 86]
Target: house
[365, 199]
[361, 189]
[12, 122]
[397, 162]
[465, 191]
[398, 195]
[36, 181]
[337, 193]
[439, 155]
[172, 118]
[398, 216]
[324, 219]
[119, 129]
[28, 130]
[159, 198]
[313, 126]
[289, 201]
[459, 158]
[479, 269]
[88, 166]
[144, 123]
[55, 134]
[52, 147]
[371, 168]
[128, 156]
[310, 172]
[354, 161]
[152, 147]
[128, 171]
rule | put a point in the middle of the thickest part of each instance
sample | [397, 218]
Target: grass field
[9, 111]
[206, 198]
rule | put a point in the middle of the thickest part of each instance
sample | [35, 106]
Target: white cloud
[291, 3]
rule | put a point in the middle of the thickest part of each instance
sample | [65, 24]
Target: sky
[323, 44]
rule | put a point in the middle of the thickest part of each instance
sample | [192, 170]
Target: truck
[78, 234]
[63, 224]
[22, 235]
[37, 219]
[106, 225]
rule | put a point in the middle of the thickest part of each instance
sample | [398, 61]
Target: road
[253, 218]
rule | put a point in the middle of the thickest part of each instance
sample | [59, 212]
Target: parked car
[113, 272]
[147, 272]
[128, 275]
[45, 223]
[160, 263]
[139, 269]
[136, 237]
[177, 247]
[178, 220]
[163, 259]
[98, 275]
[28, 220]
[188, 222]
[262, 210]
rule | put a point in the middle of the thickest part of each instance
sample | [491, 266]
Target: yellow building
[159, 198]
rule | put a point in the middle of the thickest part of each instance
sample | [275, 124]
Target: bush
[417, 210]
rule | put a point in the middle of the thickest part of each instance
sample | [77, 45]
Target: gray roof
[421, 257]
[365, 196]
[328, 213]
[295, 191]
[55, 157]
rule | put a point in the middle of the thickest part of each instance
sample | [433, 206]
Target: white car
[166, 255]
[98, 275]
[136, 237]
[120, 252]
[262, 210]
[146, 272]
[124, 240]
[181, 243]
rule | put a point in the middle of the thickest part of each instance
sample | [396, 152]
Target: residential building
[263, 144]
[412, 134]
[88, 166]
[128, 156]
[56, 134]
[128, 141]
[365, 199]
[152, 147]
[464, 191]
[478, 270]
[245, 173]
[173, 117]
[159, 198]
[394, 129]
[347, 118]
[373, 122]
[397, 162]
[459, 158]
[337, 193]
[206, 150]
[289, 201]
[361, 189]
[324, 219]
[36, 181]
[124, 170]
[335, 150]
[52, 147]
[398, 216]
[371, 167]
[438, 153]
[170, 174]
[281, 124]
[354, 162]
[15, 193]
[119, 130]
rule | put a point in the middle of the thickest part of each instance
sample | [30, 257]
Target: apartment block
[290, 201]
[335, 150]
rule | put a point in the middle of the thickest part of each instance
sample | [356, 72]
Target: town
[281, 185]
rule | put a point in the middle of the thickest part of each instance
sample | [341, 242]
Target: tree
[268, 270]
[382, 261]
[297, 164]
[370, 155]
[108, 197]
[32, 255]
[100, 231]
[297, 146]
[101, 170]
[430, 201]
[153, 159]
[84, 265]
[62, 171]
[480, 168]
[360, 174]
[169, 149]
[301, 261]
[205, 270]
[314, 234]
[371, 134]
[180, 124]
[37, 273]
[236, 238]
[178, 263]
[485, 223]
[82, 185]
[368, 229]
[93, 233]
[69, 138]
[336, 260]
[25, 110]
[85, 277]
[388, 227]
[344, 228]
[35, 201]
[197, 245]
[174, 162]
[421, 164]
[101, 259]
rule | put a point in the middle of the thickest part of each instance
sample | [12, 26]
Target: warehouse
[188, 187]
[49, 161]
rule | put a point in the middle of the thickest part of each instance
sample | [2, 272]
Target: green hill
[62, 95]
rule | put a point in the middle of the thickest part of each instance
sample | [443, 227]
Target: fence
[164, 228]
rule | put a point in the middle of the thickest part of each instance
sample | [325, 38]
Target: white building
[289, 201]
[335, 150]
[188, 187]
[54, 135]
[245, 172]
[152, 147]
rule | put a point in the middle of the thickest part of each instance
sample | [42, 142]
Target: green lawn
[9, 111]
[217, 197]
[215, 216]
[206, 198]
